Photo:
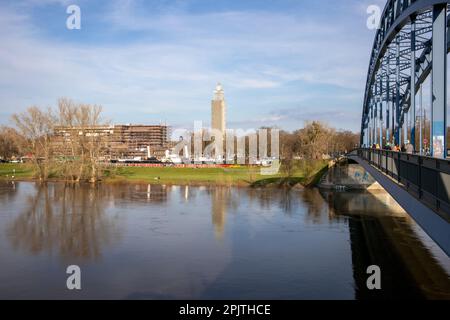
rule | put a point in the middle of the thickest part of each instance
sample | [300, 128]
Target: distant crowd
[406, 147]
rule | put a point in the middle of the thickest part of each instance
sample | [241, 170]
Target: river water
[139, 241]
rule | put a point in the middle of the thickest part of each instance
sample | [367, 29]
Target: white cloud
[179, 57]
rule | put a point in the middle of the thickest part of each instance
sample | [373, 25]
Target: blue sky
[281, 62]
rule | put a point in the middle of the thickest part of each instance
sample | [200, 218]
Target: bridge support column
[381, 123]
[420, 121]
[413, 83]
[376, 118]
[397, 94]
[374, 121]
[405, 126]
[388, 102]
[387, 120]
[374, 127]
[439, 82]
[370, 127]
[366, 136]
[380, 106]
[393, 116]
[374, 124]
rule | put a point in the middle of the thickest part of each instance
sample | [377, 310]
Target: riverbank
[233, 176]
[241, 176]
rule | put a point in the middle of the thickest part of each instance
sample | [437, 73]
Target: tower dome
[218, 92]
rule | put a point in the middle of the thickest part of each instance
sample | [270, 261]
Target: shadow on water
[382, 234]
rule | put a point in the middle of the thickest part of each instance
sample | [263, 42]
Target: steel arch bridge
[410, 45]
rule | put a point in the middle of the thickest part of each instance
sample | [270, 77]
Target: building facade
[218, 110]
[117, 141]
[145, 141]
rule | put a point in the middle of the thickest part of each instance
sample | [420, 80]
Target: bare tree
[10, 143]
[345, 141]
[288, 149]
[93, 140]
[36, 126]
[312, 143]
[314, 140]
[84, 138]
[69, 143]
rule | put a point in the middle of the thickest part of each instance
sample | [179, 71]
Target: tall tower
[218, 110]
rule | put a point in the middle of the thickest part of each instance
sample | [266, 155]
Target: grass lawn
[18, 170]
[173, 175]
[242, 176]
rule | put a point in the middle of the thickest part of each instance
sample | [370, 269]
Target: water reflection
[382, 234]
[64, 218]
[157, 242]
[220, 198]
[136, 193]
[8, 191]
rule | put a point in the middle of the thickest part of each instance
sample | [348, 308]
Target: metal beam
[438, 83]
[390, 25]
[380, 102]
[387, 36]
[397, 93]
[413, 83]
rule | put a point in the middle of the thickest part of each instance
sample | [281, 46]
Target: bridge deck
[433, 224]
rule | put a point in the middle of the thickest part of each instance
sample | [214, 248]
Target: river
[139, 241]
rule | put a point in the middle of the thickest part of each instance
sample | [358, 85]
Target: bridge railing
[428, 179]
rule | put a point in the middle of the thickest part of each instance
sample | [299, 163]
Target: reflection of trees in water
[266, 198]
[315, 204]
[359, 202]
[67, 218]
[285, 200]
[8, 191]
[263, 197]
[289, 201]
[138, 193]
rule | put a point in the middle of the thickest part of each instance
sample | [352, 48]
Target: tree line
[315, 141]
[78, 157]
[33, 137]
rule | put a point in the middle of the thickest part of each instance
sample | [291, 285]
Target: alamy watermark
[73, 282]
[374, 280]
[234, 146]
[73, 21]
[374, 19]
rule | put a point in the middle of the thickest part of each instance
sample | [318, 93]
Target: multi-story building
[218, 110]
[117, 141]
[129, 141]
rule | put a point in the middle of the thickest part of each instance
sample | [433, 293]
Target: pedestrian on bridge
[409, 148]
